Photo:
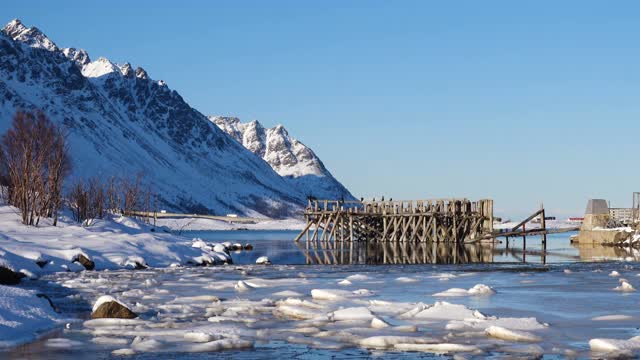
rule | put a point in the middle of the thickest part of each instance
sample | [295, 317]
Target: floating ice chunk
[481, 289]
[263, 260]
[354, 313]
[201, 337]
[345, 282]
[406, 328]
[442, 310]
[387, 341]
[298, 302]
[625, 287]
[377, 323]
[123, 352]
[297, 312]
[437, 348]
[613, 345]
[404, 279]
[453, 292]
[568, 271]
[330, 294]
[614, 274]
[478, 289]
[245, 285]
[418, 308]
[511, 335]
[362, 292]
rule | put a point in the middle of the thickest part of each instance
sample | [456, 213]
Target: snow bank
[23, 316]
[201, 224]
[112, 243]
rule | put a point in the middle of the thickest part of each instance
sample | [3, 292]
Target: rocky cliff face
[122, 122]
[286, 155]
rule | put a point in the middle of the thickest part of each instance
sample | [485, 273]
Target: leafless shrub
[93, 199]
[35, 161]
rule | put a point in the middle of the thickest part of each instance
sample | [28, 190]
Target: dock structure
[334, 223]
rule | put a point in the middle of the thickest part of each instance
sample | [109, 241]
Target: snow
[124, 125]
[478, 289]
[288, 157]
[614, 345]
[511, 335]
[105, 299]
[354, 313]
[99, 68]
[624, 287]
[112, 243]
[202, 224]
[23, 316]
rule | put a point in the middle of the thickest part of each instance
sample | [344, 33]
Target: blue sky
[522, 102]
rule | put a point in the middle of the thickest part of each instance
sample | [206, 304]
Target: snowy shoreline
[200, 224]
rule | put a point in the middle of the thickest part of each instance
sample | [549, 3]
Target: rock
[84, 261]
[108, 307]
[236, 247]
[9, 277]
[248, 247]
[42, 262]
[263, 260]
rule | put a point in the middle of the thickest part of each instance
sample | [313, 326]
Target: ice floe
[478, 289]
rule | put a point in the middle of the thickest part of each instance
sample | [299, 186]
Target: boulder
[248, 247]
[108, 307]
[84, 261]
[9, 277]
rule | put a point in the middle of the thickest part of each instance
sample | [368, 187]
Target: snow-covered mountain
[122, 122]
[286, 155]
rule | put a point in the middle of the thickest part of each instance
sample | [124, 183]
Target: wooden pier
[332, 223]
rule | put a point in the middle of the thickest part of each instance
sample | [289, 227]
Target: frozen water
[298, 311]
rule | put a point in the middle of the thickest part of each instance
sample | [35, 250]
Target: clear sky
[518, 101]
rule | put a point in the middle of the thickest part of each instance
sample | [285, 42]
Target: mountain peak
[31, 36]
[126, 70]
[80, 56]
[141, 73]
[98, 68]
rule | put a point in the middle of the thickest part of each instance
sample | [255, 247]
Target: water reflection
[396, 253]
[594, 252]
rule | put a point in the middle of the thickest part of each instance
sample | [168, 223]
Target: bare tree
[35, 162]
[131, 194]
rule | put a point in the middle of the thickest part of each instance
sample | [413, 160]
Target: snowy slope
[122, 122]
[286, 155]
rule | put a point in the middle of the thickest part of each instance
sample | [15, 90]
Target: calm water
[567, 293]
[280, 248]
